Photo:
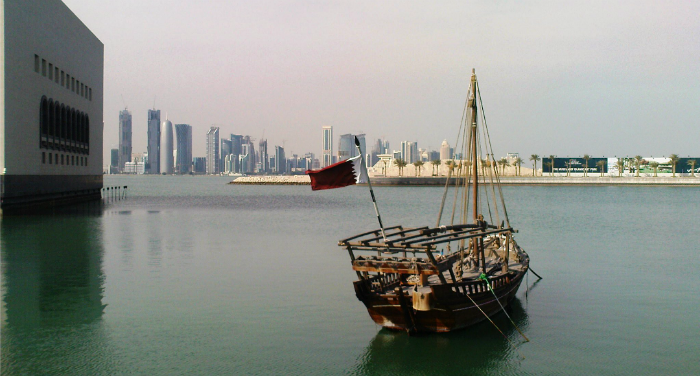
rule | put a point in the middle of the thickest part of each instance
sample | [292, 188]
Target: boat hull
[450, 310]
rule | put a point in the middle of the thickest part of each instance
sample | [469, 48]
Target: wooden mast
[477, 246]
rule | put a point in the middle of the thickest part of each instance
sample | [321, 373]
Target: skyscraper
[409, 151]
[153, 147]
[114, 163]
[346, 146]
[280, 160]
[327, 145]
[124, 138]
[166, 147]
[264, 159]
[213, 151]
[225, 151]
[183, 142]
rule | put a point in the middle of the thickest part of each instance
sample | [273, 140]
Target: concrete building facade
[51, 120]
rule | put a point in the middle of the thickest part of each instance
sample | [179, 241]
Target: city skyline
[568, 78]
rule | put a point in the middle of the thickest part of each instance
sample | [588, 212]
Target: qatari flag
[338, 175]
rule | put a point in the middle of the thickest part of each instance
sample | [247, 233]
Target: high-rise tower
[327, 145]
[166, 147]
[124, 138]
[183, 144]
[213, 151]
[153, 147]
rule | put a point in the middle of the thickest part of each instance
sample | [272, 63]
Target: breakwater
[509, 180]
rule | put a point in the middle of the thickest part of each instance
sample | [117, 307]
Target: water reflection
[52, 292]
[477, 349]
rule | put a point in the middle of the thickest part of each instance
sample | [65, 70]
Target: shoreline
[508, 180]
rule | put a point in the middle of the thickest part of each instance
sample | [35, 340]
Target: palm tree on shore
[691, 163]
[534, 158]
[436, 166]
[586, 157]
[674, 160]
[551, 164]
[655, 166]
[503, 162]
[450, 165]
[548, 164]
[601, 166]
[384, 162]
[568, 167]
[638, 161]
[620, 166]
[400, 163]
[517, 163]
[419, 166]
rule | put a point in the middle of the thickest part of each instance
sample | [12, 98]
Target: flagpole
[369, 183]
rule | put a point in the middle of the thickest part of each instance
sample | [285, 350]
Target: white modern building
[166, 148]
[51, 120]
[327, 145]
[213, 151]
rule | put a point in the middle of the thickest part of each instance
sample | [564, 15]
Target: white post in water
[369, 183]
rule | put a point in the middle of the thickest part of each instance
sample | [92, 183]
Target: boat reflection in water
[481, 350]
[52, 291]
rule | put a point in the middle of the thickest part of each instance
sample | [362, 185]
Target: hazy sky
[566, 78]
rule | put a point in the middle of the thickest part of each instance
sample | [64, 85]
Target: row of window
[63, 128]
[70, 160]
[51, 71]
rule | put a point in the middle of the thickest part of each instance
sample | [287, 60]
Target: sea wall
[440, 180]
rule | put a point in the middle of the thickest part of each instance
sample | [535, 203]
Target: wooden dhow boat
[452, 275]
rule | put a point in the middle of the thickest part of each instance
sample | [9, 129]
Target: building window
[72, 84]
[36, 63]
[67, 81]
[72, 160]
[43, 157]
[50, 71]
[43, 67]
[55, 76]
[90, 93]
[63, 78]
[61, 159]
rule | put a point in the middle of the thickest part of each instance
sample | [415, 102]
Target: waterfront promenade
[507, 180]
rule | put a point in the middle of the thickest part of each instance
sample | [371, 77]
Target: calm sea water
[189, 275]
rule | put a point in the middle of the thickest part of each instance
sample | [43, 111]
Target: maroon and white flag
[338, 175]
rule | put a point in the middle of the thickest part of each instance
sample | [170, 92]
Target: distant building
[114, 162]
[327, 145]
[247, 157]
[51, 109]
[199, 165]
[280, 160]
[133, 168]
[409, 151]
[225, 151]
[153, 165]
[183, 151]
[445, 151]
[213, 151]
[166, 148]
[264, 158]
[124, 138]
